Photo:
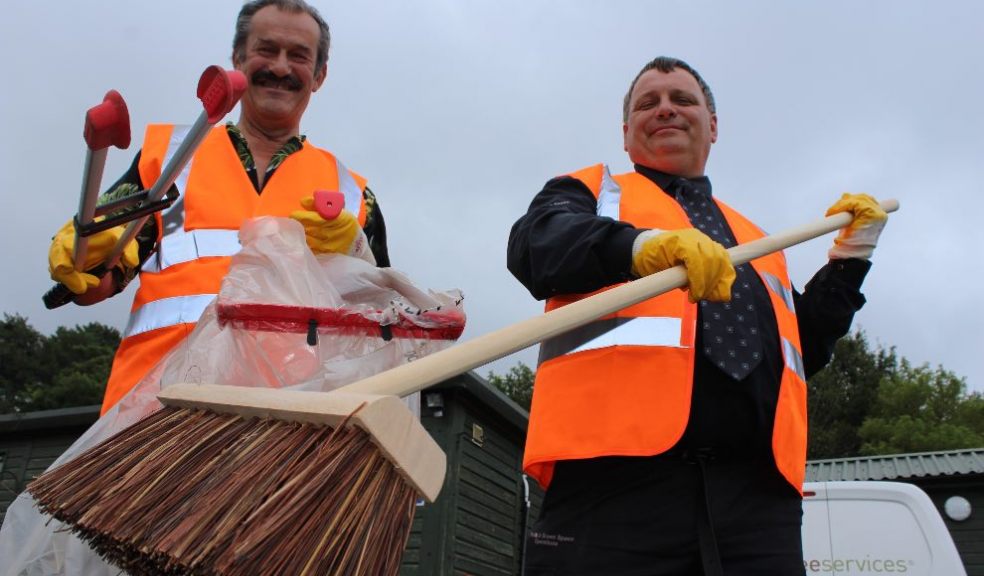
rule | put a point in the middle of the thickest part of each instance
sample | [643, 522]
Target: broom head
[393, 428]
[248, 481]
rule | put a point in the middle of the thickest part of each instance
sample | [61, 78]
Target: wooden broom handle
[470, 354]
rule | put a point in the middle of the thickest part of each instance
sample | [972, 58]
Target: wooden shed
[477, 525]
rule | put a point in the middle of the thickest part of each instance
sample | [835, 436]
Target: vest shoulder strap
[591, 176]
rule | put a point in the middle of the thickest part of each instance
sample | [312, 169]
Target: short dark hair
[249, 9]
[666, 64]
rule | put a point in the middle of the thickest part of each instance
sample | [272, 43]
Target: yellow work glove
[340, 235]
[859, 238]
[709, 270]
[61, 262]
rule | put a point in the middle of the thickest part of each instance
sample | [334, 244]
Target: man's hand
[340, 235]
[859, 238]
[709, 270]
[61, 264]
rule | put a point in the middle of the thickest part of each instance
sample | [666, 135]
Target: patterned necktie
[730, 332]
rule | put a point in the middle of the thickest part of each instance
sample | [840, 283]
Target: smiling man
[261, 165]
[279, 51]
[671, 436]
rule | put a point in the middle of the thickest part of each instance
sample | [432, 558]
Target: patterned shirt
[246, 156]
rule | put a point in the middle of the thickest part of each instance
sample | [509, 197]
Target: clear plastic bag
[284, 318]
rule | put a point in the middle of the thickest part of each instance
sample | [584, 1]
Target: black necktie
[731, 339]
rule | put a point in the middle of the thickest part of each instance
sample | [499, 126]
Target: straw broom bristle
[193, 492]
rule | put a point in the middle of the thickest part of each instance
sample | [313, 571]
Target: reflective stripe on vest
[167, 312]
[614, 332]
[180, 247]
[794, 360]
[610, 196]
[775, 284]
[178, 134]
[349, 188]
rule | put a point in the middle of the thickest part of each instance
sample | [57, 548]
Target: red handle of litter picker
[219, 90]
[108, 124]
[329, 203]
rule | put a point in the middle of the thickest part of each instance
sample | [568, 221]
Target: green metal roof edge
[42, 419]
[945, 463]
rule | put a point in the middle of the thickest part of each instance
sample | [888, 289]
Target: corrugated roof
[897, 466]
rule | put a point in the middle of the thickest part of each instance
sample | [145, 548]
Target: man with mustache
[261, 165]
[671, 436]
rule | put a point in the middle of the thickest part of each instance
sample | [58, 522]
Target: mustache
[268, 78]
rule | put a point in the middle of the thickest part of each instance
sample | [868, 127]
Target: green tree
[68, 368]
[68, 388]
[517, 384]
[970, 413]
[842, 395]
[21, 353]
[922, 409]
[79, 360]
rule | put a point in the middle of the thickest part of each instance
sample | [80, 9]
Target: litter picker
[109, 124]
[229, 480]
[106, 124]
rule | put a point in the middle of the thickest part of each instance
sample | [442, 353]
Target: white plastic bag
[257, 333]
[285, 318]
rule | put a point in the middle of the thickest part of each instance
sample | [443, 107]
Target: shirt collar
[669, 183]
[292, 145]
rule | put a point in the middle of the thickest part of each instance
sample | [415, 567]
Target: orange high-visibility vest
[199, 233]
[621, 386]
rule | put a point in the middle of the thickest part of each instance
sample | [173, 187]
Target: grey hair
[245, 19]
[666, 64]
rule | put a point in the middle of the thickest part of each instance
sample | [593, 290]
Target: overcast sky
[458, 111]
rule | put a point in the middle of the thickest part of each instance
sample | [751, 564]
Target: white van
[875, 528]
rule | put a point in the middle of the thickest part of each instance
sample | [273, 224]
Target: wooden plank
[480, 561]
[477, 488]
[482, 525]
[474, 460]
[485, 479]
[505, 476]
[489, 508]
[487, 542]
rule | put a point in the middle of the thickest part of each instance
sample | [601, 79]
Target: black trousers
[631, 516]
